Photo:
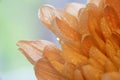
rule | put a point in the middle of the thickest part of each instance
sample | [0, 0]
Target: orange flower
[89, 36]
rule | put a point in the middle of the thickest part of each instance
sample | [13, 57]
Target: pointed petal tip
[73, 8]
[33, 50]
[46, 7]
[29, 51]
[45, 14]
[20, 42]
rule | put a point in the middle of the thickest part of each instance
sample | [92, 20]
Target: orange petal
[110, 50]
[90, 73]
[46, 15]
[72, 47]
[112, 54]
[102, 59]
[115, 40]
[78, 75]
[84, 16]
[68, 70]
[98, 3]
[72, 56]
[69, 19]
[54, 57]
[86, 44]
[53, 54]
[111, 76]
[67, 31]
[95, 33]
[111, 18]
[116, 5]
[73, 8]
[94, 15]
[118, 53]
[33, 50]
[94, 63]
[83, 22]
[105, 29]
[44, 71]
[86, 38]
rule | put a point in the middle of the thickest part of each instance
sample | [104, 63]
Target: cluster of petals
[89, 36]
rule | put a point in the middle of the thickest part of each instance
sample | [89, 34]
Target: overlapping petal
[89, 38]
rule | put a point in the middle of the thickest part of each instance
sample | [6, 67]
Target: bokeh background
[18, 21]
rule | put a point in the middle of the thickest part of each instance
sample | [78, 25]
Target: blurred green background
[18, 21]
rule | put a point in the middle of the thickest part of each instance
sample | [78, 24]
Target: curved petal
[99, 3]
[44, 71]
[91, 73]
[73, 8]
[33, 50]
[59, 21]
[78, 75]
[53, 54]
[60, 62]
[46, 14]
[83, 21]
[100, 57]
[83, 17]
[112, 18]
[95, 31]
[68, 18]
[66, 30]
[116, 5]
[72, 56]
[111, 76]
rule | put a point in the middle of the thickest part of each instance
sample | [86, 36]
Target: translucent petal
[73, 8]
[46, 14]
[33, 50]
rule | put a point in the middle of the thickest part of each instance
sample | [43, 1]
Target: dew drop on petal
[58, 39]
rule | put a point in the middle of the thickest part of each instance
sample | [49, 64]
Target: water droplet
[57, 38]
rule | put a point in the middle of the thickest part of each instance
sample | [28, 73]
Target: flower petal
[33, 50]
[99, 3]
[44, 71]
[105, 28]
[95, 31]
[78, 75]
[67, 30]
[116, 5]
[91, 73]
[111, 18]
[94, 63]
[100, 57]
[46, 15]
[73, 8]
[53, 54]
[72, 56]
[59, 21]
[68, 18]
[111, 76]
